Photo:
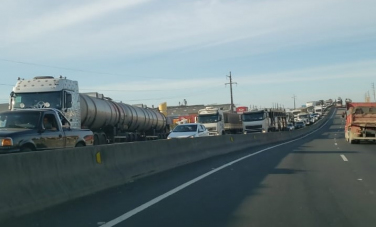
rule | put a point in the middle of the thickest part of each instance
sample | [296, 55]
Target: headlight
[192, 137]
[7, 142]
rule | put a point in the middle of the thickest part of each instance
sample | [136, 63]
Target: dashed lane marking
[344, 158]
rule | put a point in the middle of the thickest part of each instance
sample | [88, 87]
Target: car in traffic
[299, 124]
[316, 116]
[313, 118]
[190, 130]
[290, 126]
[39, 129]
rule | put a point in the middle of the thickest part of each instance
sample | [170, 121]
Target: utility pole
[231, 83]
[294, 100]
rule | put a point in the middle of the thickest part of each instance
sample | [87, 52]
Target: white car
[290, 126]
[191, 130]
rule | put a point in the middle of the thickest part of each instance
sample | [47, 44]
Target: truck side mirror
[68, 100]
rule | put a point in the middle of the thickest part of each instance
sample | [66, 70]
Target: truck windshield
[29, 120]
[256, 116]
[208, 118]
[37, 100]
[303, 116]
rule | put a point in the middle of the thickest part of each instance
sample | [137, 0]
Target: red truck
[360, 122]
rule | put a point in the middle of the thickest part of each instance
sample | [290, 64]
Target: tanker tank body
[119, 122]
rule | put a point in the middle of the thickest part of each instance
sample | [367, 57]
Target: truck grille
[212, 129]
[253, 127]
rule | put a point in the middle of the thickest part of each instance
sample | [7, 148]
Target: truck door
[53, 136]
[70, 138]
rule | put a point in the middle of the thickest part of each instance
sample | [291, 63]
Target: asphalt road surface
[318, 180]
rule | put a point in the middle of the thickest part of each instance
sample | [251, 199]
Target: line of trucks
[219, 122]
[84, 119]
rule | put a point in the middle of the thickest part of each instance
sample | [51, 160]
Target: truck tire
[347, 136]
[80, 145]
[103, 138]
[25, 149]
[351, 141]
[96, 139]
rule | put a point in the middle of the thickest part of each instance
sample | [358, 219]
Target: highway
[318, 180]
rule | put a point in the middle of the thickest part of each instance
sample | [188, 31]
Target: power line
[128, 90]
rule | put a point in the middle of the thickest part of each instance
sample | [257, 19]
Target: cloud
[214, 89]
[68, 15]
[119, 28]
[322, 73]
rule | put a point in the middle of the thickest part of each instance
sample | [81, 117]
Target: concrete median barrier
[37, 180]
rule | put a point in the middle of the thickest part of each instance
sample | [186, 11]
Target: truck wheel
[351, 140]
[103, 138]
[79, 145]
[25, 149]
[96, 139]
[128, 137]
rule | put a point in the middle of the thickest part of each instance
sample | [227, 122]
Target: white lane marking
[344, 158]
[175, 190]
[335, 144]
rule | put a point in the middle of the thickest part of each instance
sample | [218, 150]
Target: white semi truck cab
[48, 92]
[264, 121]
[212, 119]
[318, 110]
[219, 122]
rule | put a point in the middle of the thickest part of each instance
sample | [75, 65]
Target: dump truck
[110, 121]
[360, 122]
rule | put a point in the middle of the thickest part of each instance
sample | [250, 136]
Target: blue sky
[148, 51]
